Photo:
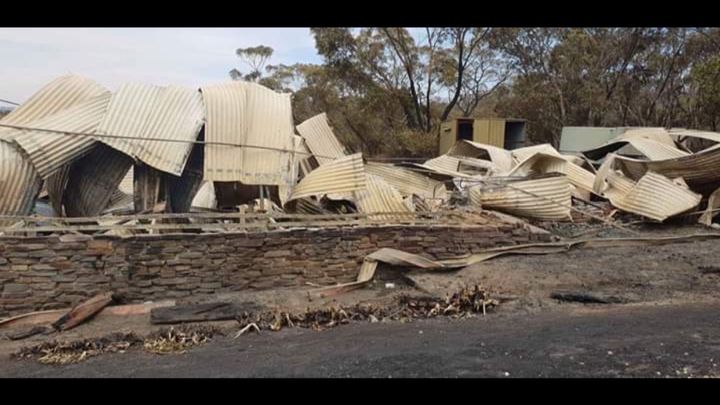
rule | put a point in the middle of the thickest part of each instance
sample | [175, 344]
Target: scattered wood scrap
[216, 311]
[83, 311]
[585, 298]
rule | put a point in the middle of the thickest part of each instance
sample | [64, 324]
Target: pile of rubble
[87, 151]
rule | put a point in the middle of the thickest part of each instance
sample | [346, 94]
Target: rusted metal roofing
[500, 157]
[343, 175]
[407, 181]
[247, 114]
[165, 113]
[547, 197]
[320, 139]
[93, 180]
[19, 182]
[63, 92]
[379, 197]
[48, 151]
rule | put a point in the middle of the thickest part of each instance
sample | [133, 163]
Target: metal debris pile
[463, 303]
[77, 149]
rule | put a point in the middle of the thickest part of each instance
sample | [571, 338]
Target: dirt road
[573, 341]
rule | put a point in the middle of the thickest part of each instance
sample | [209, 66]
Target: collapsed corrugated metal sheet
[696, 169]
[547, 197]
[19, 182]
[653, 196]
[63, 92]
[651, 149]
[247, 114]
[93, 180]
[378, 197]
[660, 135]
[168, 113]
[48, 151]
[521, 154]
[541, 162]
[55, 185]
[298, 167]
[340, 176]
[501, 158]
[320, 139]
[657, 197]
[710, 136]
[408, 182]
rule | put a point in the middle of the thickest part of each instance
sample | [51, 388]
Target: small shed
[508, 133]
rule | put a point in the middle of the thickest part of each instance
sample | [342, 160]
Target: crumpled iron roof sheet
[49, 151]
[710, 136]
[93, 180]
[19, 182]
[320, 139]
[651, 149]
[546, 198]
[500, 157]
[696, 169]
[407, 181]
[379, 197]
[521, 154]
[168, 113]
[247, 114]
[542, 162]
[63, 92]
[343, 175]
[656, 197]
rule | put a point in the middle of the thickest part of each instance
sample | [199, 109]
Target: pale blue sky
[31, 57]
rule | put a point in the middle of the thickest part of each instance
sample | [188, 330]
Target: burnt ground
[667, 325]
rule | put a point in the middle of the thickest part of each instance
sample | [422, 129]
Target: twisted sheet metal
[48, 151]
[541, 163]
[650, 148]
[697, 169]
[138, 110]
[500, 157]
[19, 182]
[545, 198]
[248, 114]
[343, 175]
[60, 94]
[406, 181]
[378, 197]
[93, 180]
[657, 197]
[320, 139]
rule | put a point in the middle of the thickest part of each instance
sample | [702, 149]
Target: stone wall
[59, 271]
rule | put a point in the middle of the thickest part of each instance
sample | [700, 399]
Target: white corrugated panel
[650, 148]
[547, 198]
[63, 92]
[343, 175]
[19, 182]
[320, 139]
[168, 113]
[407, 181]
[48, 151]
[247, 114]
[521, 154]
